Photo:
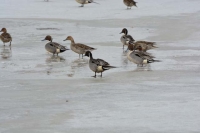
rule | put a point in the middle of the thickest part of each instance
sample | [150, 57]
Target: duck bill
[65, 40]
[43, 40]
[120, 33]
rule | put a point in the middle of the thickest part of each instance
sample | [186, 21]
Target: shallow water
[45, 93]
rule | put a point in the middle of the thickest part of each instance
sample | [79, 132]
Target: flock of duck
[128, 3]
[136, 50]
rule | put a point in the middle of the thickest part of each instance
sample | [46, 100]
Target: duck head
[88, 54]
[69, 38]
[3, 30]
[125, 31]
[48, 37]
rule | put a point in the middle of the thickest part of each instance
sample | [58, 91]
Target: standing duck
[130, 3]
[54, 47]
[124, 38]
[139, 57]
[98, 65]
[82, 2]
[78, 47]
[5, 37]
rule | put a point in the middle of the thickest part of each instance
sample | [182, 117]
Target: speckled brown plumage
[5, 37]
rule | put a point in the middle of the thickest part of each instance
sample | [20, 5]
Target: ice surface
[44, 93]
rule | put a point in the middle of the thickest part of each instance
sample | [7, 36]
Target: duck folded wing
[6, 36]
[100, 62]
[83, 46]
[129, 38]
[147, 43]
[144, 55]
[58, 46]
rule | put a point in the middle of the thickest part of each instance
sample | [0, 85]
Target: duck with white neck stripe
[98, 65]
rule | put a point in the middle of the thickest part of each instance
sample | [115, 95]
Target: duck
[82, 2]
[140, 57]
[79, 48]
[142, 45]
[5, 37]
[129, 3]
[54, 47]
[143, 53]
[124, 38]
[98, 65]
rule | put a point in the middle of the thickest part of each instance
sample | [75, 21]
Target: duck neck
[72, 41]
[91, 56]
[126, 32]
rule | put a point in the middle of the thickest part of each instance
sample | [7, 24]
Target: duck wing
[83, 46]
[100, 62]
[58, 46]
[6, 36]
[130, 38]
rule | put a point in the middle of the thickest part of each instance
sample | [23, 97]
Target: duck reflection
[51, 63]
[146, 67]
[79, 63]
[6, 52]
[54, 58]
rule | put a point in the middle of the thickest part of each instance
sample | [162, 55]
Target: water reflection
[145, 67]
[79, 63]
[55, 58]
[6, 52]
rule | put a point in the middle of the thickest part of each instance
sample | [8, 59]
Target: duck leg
[82, 5]
[101, 74]
[82, 56]
[94, 75]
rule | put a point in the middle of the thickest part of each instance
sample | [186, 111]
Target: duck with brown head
[54, 47]
[98, 65]
[124, 38]
[5, 37]
[78, 48]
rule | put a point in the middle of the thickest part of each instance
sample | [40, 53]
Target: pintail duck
[140, 58]
[54, 47]
[78, 47]
[142, 45]
[130, 3]
[82, 2]
[98, 65]
[124, 38]
[5, 37]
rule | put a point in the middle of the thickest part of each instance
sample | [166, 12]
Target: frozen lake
[44, 93]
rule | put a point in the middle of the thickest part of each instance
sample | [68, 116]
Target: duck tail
[108, 67]
[91, 1]
[152, 61]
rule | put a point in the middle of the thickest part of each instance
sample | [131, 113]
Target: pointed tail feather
[108, 67]
[152, 61]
